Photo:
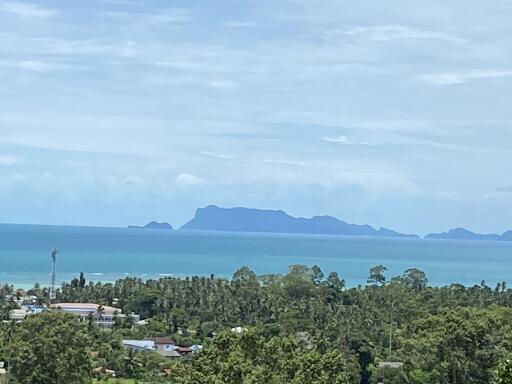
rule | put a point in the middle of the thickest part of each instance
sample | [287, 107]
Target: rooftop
[161, 340]
[86, 308]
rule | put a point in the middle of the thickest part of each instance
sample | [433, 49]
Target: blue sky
[395, 113]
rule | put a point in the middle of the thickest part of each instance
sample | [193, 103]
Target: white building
[103, 315]
[18, 314]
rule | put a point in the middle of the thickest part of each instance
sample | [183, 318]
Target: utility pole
[54, 263]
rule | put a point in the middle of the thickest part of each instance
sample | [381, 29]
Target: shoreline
[94, 278]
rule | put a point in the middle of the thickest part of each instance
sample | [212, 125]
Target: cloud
[134, 180]
[336, 139]
[186, 179]
[27, 10]
[9, 160]
[505, 188]
[394, 32]
[58, 46]
[223, 84]
[39, 66]
[120, 2]
[218, 155]
[375, 182]
[454, 78]
[239, 24]
[171, 16]
[36, 66]
[285, 162]
[344, 140]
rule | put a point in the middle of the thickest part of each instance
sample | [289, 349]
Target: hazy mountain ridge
[464, 234]
[239, 219]
[153, 225]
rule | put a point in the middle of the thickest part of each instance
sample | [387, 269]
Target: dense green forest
[303, 327]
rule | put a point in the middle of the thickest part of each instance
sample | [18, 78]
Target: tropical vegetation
[302, 327]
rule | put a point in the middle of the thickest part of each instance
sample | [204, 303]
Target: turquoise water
[105, 254]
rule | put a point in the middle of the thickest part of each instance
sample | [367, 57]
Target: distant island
[153, 225]
[214, 218]
[241, 219]
[464, 234]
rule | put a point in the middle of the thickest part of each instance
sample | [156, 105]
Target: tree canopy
[304, 326]
[50, 348]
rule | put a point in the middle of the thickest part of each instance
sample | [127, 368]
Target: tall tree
[376, 276]
[415, 279]
[49, 348]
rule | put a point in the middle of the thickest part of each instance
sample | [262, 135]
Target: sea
[107, 254]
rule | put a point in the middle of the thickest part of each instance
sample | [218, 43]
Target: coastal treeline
[305, 326]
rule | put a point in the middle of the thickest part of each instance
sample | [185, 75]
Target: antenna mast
[54, 262]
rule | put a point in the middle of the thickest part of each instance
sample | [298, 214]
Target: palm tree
[100, 311]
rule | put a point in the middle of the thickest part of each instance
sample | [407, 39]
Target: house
[139, 345]
[104, 315]
[391, 364]
[24, 311]
[18, 314]
[164, 346]
[162, 343]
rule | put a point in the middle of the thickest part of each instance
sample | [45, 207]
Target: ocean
[107, 254]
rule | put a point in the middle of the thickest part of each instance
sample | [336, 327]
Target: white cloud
[239, 24]
[134, 179]
[285, 162]
[223, 84]
[171, 16]
[218, 155]
[27, 10]
[377, 182]
[454, 78]
[41, 66]
[186, 179]
[344, 140]
[60, 45]
[82, 47]
[36, 66]
[336, 139]
[393, 32]
[9, 160]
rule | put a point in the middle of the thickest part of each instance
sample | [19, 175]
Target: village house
[21, 297]
[140, 345]
[104, 315]
[163, 343]
[164, 346]
[25, 310]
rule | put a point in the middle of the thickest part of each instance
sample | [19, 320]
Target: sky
[394, 113]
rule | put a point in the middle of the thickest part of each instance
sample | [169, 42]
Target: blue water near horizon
[106, 254]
